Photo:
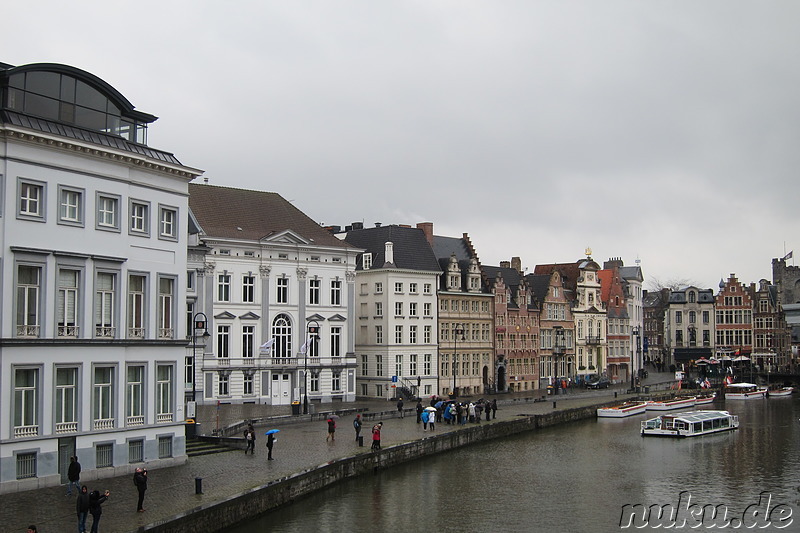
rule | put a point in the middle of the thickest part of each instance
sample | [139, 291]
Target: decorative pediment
[337, 318]
[249, 316]
[285, 237]
[315, 316]
[225, 315]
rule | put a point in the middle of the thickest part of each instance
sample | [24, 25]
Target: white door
[281, 389]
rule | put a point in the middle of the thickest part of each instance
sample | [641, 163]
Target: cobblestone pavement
[300, 446]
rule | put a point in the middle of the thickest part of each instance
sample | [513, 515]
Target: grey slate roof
[539, 285]
[411, 249]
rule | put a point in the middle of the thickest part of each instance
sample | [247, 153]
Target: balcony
[25, 330]
[104, 332]
[164, 418]
[66, 427]
[212, 362]
[166, 333]
[20, 432]
[133, 421]
[136, 333]
[593, 340]
[103, 423]
[69, 331]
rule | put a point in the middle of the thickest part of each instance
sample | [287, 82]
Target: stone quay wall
[247, 505]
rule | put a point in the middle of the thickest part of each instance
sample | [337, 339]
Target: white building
[264, 274]
[396, 340]
[92, 274]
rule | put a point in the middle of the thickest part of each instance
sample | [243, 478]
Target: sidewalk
[300, 446]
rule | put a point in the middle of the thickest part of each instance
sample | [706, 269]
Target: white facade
[591, 321]
[260, 299]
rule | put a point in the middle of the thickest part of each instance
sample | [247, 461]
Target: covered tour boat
[783, 392]
[622, 410]
[745, 391]
[690, 424]
[673, 403]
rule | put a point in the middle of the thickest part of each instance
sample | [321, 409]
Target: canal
[575, 477]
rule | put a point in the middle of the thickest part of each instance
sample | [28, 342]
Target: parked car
[598, 383]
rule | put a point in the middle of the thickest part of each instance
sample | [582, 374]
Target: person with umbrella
[271, 442]
[431, 418]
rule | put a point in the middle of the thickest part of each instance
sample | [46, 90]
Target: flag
[304, 347]
[788, 256]
[268, 345]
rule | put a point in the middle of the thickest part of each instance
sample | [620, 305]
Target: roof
[539, 285]
[229, 213]
[570, 272]
[411, 249]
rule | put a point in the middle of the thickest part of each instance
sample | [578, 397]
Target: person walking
[357, 425]
[426, 415]
[73, 475]
[140, 480]
[376, 436]
[82, 507]
[400, 408]
[419, 411]
[96, 501]
[432, 419]
[494, 408]
[270, 444]
[331, 430]
[250, 437]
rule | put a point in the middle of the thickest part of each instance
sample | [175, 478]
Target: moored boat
[689, 424]
[622, 410]
[745, 391]
[674, 403]
[706, 398]
[783, 392]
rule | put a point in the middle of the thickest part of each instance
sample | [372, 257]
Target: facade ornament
[350, 275]
[264, 271]
[210, 266]
[302, 273]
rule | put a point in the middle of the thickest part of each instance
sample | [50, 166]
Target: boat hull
[622, 411]
[669, 405]
[781, 393]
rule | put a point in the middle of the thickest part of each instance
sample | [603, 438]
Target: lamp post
[458, 329]
[313, 332]
[200, 321]
[635, 356]
[558, 349]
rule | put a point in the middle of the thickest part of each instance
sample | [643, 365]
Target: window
[398, 287]
[248, 288]
[282, 333]
[223, 385]
[412, 334]
[223, 340]
[364, 365]
[426, 309]
[378, 308]
[139, 213]
[66, 398]
[412, 288]
[314, 378]
[378, 334]
[168, 223]
[164, 447]
[398, 309]
[136, 306]
[426, 288]
[31, 200]
[336, 381]
[378, 365]
[28, 285]
[378, 287]
[282, 294]
[366, 261]
[104, 455]
[336, 292]
[70, 210]
[134, 396]
[412, 365]
[248, 341]
[427, 334]
[104, 305]
[26, 465]
[103, 398]
[398, 334]
[165, 308]
[247, 383]
[190, 280]
[398, 365]
[412, 309]
[336, 341]
[68, 303]
[313, 291]
[164, 393]
[224, 287]
[26, 402]
[427, 364]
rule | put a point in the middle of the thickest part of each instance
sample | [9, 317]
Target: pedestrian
[73, 475]
[419, 410]
[140, 480]
[400, 408]
[494, 408]
[376, 436]
[357, 425]
[432, 419]
[488, 408]
[82, 507]
[250, 437]
[95, 502]
[426, 415]
[331, 430]
[478, 411]
[270, 443]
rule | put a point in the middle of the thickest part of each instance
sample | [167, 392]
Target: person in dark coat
[331, 430]
[82, 507]
[140, 480]
[357, 426]
[400, 408]
[96, 500]
[73, 475]
[419, 411]
[494, 409]
[270, 444]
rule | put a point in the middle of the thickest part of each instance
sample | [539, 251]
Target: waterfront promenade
[301, 446]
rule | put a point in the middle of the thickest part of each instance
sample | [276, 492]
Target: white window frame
[31, 200]
[168, 223]
[70, 205]
[139, 218]
[107, 215]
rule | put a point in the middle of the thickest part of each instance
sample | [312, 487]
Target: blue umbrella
[271, 431]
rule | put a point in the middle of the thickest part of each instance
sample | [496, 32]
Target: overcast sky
[664, 131]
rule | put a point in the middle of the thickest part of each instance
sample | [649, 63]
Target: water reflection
[575, 477]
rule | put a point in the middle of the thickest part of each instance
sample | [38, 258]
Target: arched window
[282, 333]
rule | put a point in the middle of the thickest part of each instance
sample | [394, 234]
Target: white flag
[268, 345]
[305, 346]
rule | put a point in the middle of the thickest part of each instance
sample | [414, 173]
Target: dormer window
[366, 261]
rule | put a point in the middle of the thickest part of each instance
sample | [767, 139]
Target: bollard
[361, 440]
[198, 485]
[615, 394]
[554, 405]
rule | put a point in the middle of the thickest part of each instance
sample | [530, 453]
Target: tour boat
[745, 391]
[781, 393]
[622, 410]
[674, 403]
[690, 424]
[706, 398]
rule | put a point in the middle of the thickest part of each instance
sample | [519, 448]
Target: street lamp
[200, 321]
[635, 356]
[313, 333]
[458, 329]
[558, 349]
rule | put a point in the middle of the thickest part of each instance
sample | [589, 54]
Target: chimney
[516, 264]
[505, 264]
[427, 229]
[389, 252]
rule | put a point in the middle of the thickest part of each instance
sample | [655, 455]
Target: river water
[574, 477]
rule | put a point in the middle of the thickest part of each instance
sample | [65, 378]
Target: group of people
[376, 432]
[250, 439]
[91, 503]
[453, 412]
